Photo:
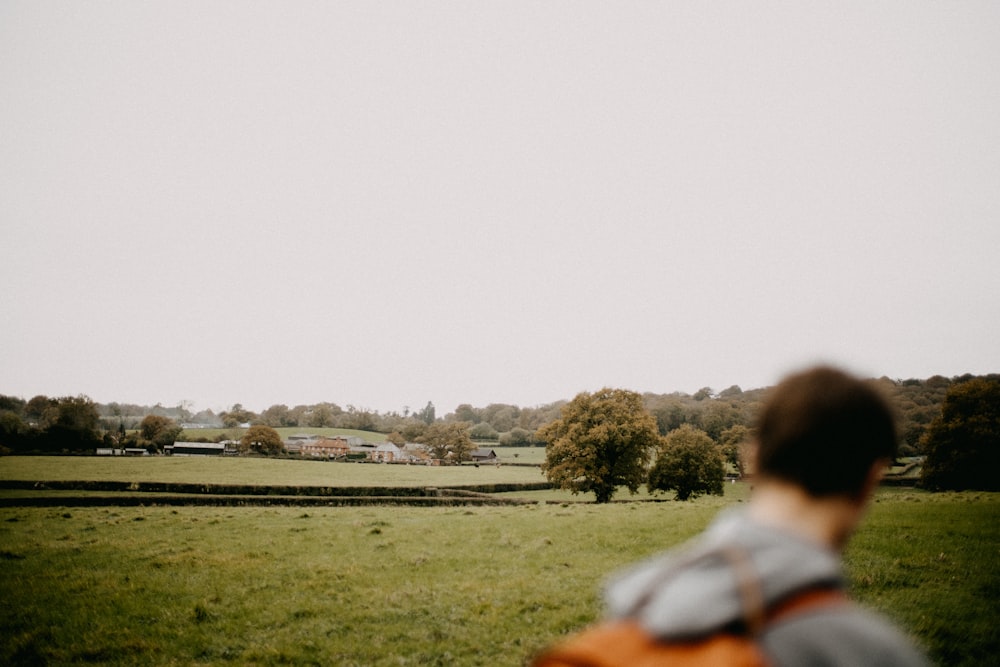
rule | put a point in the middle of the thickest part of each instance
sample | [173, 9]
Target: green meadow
[387, 585]
[250, 470]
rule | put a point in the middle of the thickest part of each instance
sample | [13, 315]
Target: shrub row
[126, 500]
[262, 490]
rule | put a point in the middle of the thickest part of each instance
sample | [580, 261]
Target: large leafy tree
[262, 440]
[689, 463]
[448, 441]
[963, 443]
[76, 425]
[158, 431]
[601, 441]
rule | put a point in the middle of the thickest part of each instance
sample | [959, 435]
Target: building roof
[483, 454]
[199, 445]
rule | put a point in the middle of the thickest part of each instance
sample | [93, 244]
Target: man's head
[823, 430]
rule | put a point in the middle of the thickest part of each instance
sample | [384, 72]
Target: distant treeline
[76, 423]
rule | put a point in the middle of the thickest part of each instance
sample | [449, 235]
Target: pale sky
[387, 203]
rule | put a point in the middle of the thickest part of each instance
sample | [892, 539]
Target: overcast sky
[387, 203]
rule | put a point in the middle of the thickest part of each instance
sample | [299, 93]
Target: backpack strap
[806, 600]
[749, 587]
[756, 615]
[755, 612]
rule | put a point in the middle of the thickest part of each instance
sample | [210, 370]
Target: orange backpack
[622, 642]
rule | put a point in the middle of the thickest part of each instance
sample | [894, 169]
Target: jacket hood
[695, 591]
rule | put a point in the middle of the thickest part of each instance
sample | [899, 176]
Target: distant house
[386, 452]
[195, 449]
[295, 442]
[327, 448]
[415, 453]
[361, 450]
[484, 456]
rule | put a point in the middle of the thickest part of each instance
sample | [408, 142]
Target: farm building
[294, 442]
[195, 449]
[415, 453]
[484, 456]
[386, 453]
[330, 448]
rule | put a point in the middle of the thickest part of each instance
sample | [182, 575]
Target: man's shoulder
[845, 635]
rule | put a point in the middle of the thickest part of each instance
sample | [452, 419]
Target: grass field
[932, 562]
[424, 586]
[246, 470]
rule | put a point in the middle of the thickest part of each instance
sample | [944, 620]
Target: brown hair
[822, 430]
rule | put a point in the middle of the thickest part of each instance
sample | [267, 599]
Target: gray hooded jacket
[695, 591]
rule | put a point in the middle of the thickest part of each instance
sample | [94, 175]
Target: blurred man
[771, 573]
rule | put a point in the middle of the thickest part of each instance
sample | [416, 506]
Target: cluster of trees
[616, 438]
[609, 439]
[129, 415]
[963, 441]
[917, 403]
[505, 424]
[50, 424]
[933, 416]
[323, 415]
[74, 423]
